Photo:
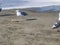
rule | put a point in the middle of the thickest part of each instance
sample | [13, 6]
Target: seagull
[20, 13]
[56, 25]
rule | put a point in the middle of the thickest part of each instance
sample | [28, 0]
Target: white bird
[18, 13]
[56, 25]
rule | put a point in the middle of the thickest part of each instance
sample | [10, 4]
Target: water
[11, 3]
[43, 6]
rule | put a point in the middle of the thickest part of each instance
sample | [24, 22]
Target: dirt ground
[33, 29]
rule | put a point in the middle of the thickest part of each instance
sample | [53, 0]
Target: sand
[33, 29]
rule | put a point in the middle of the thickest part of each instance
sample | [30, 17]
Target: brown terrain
[33, 29]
